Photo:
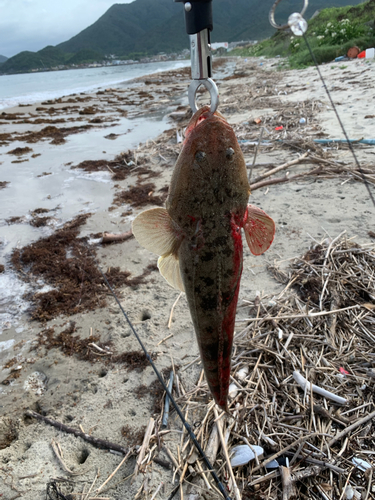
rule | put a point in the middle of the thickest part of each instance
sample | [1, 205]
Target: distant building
[219, 45]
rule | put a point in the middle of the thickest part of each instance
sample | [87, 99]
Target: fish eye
[200, 156]
[229, 153]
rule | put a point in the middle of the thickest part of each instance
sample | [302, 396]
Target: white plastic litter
[243, 454]
[233, 390]
[361, 464]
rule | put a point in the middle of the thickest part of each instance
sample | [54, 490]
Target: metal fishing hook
[271, 15]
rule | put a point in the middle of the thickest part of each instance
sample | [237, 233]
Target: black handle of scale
[198, 15]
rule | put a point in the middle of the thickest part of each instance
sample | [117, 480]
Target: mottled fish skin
[207, 199]
[198, 237]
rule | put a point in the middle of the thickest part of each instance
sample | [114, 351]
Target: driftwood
[286, 178]
[115, 238]
[99, 443]
[281, 167]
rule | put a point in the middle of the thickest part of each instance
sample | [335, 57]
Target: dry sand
[115, 401]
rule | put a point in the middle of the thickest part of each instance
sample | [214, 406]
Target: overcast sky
[33, 24]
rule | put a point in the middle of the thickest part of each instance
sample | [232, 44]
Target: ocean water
[64, 192]
[29, 88]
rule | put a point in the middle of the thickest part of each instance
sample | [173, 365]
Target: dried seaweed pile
[319, 333]
[65, 263]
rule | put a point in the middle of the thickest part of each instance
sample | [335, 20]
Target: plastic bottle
[370, 53]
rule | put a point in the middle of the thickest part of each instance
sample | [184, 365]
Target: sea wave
[31, 88]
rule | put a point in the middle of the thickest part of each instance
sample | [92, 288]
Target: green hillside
[2, 58]
[151, 26]
[330, 34]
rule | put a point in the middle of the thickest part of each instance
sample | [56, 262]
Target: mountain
[2, 59]
[146, 27]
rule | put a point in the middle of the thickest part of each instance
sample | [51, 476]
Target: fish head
[212, 166]
[211, 134]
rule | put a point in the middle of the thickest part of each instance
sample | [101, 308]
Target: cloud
[33, 24]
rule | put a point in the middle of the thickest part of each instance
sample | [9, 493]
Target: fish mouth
[203, 114]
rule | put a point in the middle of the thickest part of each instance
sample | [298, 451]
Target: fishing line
[298, 26]
[339, 120]
[161, 380]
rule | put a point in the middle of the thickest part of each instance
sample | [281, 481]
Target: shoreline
[89, 87]
[115, 400]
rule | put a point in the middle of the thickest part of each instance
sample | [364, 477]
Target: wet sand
[77, 361]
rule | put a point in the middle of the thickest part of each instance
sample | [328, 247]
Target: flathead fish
[198, 237]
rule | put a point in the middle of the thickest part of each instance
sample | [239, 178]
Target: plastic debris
[243, 454]
[274, 464]
[318, 390]
[361, 464]
[279, 128]
[343, 371]
[243, 373]
[349, 492]
[302, 121]
[233, 390]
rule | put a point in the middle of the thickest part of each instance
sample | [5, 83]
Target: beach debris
[172, 310]
[306, 386]
[143, 449]
[164, 421]
[242, 373]
[116, 238]
[361, 464]
[335, 276]
[99, 443]
[352, 53]
[232, 390]
[113, 473]
[243, 454]
[36, 383]
[59, 455]
[190, 245]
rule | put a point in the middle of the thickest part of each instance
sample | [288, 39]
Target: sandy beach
[71, 356]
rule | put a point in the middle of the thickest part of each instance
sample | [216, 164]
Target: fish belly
[211, 267]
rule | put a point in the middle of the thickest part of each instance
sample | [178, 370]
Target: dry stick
[294, 316]
[114, 472]
[110, 237]
[62, 463]
[369, 484]
[91, 487]
[349, 429]
[225, 450]
[279, 180]
[281, 167]
[276, 455]
[156, 491]
[144, 446]
[100, 443]
[172, 309]
[289, 490]
[256, 153]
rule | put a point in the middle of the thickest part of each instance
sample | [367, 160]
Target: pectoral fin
[259, 230]
[155, 230]
[169, 268]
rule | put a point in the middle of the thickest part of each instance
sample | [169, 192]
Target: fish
[198, 237]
